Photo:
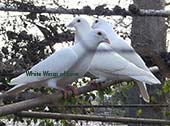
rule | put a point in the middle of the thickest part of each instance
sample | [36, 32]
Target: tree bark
[149, 32]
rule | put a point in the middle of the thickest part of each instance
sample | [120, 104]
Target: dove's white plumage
[111, 65]
[75, 59]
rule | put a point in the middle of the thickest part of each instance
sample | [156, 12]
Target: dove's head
[79, 23]
[99, 23]
[95, 37]
[82, 28]
[104, 25]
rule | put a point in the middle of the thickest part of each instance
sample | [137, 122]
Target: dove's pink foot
[98, 85]
[70, 88]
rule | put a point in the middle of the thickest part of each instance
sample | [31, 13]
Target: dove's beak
[70, 25]
[107, 41]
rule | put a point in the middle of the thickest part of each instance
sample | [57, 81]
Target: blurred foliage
[138, 112]
[166, 87]
[167, 113]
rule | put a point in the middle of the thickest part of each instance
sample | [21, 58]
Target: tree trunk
[148, 34]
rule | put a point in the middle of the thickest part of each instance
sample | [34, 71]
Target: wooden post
[149, 36]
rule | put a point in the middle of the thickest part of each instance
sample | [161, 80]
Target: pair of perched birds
[97, 49]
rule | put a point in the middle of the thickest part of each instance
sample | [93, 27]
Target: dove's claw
[68, 88]
[73, 89]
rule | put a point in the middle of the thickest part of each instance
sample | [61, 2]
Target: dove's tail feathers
[19, 80]
[20, 83]
[147, 79]
[143, 91]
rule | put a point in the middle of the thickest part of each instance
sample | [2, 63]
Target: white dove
[74, 59]
[109, 64]
[120, 44]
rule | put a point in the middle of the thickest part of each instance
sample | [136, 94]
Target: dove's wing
[107, 60]
[129, 70]
[120, 44]
[131, 56]
[113, 64]
[58, 62]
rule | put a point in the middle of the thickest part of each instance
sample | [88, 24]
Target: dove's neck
[80, 33]
[84, 56]
[85, 50]
[82, 47]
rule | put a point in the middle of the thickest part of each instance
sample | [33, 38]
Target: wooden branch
[47, 99]
[125, 120]
[99, 10]
[44, 99]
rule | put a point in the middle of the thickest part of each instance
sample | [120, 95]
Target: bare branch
[92, 118]
[47, 99]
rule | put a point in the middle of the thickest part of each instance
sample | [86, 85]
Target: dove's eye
[99, 33]
[78, 20]
[96, 21]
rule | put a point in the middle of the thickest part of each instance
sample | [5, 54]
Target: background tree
[149, 39]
